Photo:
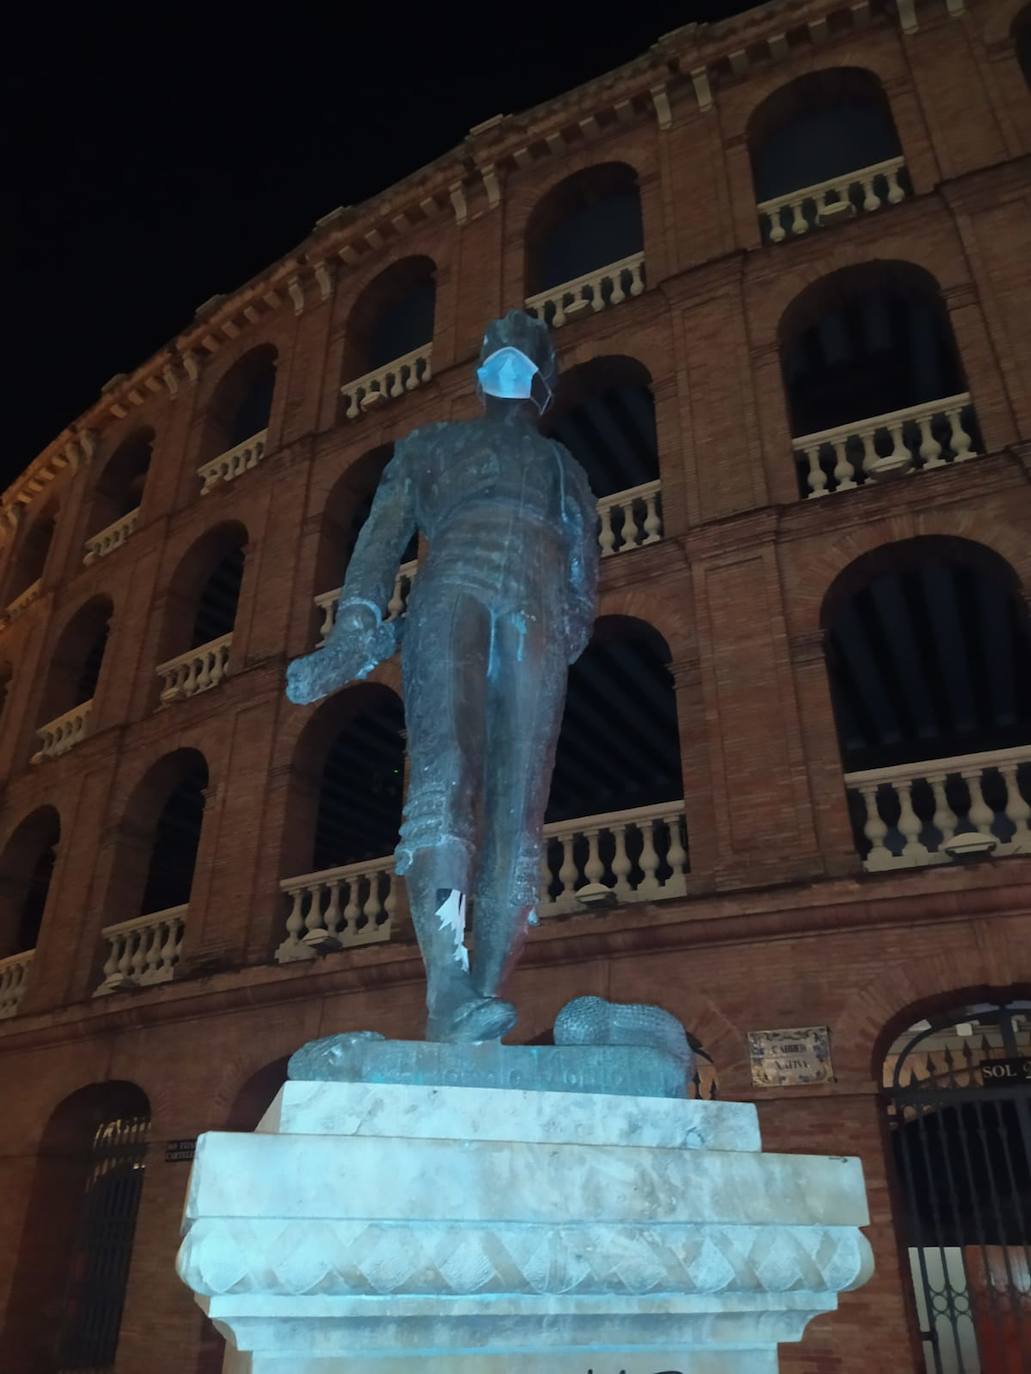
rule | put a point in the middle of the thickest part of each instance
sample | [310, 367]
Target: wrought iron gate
[959, 1112]
[102, 1246]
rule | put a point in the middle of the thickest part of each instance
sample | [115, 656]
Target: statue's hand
[357, 643]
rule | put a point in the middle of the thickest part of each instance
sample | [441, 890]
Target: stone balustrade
[14, 977]
[111, 537]
[912, 815]
[338, 908]
[195, 671]
[408, 373]
[630, 519]
[327, 602]
[233, 463]
[142, 951]
[63, 733]
[595, 291]
[930, 435]
[640, 854]
[827, 202]
[25, 599]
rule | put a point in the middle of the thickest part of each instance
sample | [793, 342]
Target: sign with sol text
[790, 1058]
[179, 1151]
[1005, 1072]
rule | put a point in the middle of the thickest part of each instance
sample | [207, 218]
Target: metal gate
[102, 1246]
[959, 1113]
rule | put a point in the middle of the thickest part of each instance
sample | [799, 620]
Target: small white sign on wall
[793, 1057]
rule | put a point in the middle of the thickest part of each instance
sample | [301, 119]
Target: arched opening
[873, 378]
[201, 613]
[32, 556]
[928, 646]
[618, 759]
[1022, 42]
[586, 224]
[26, 870]
[72, 677]
[833, 126]
[957, 1097]
[604, 413]
[118, 493]
[242, 402]
[255, 1096]
[347, 508]
[72, 1268]
[345, 813]
[390, 323]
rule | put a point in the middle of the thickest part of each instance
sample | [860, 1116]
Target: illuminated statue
[503, 602]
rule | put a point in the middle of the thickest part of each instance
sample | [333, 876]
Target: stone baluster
[331, 916]
[799, 223]
[777, 231]
[649, 862]
[652, 518]
[328, 609]
[910, 825]
[817, 478]
[944, 819]
[676, 855]
[594, 868]
[124, 964]
[295, 923]
[569, 873]
[155, 952]
[618, 295]
[960, 440]
[398, 596]
[139, 939]
[1018, 812]
[637, 275]
[980, 815]
[621, 864]
[875, 829]
[607, 535]
[352, 909]
[313, 920]
[843, 476]
[871, 200]
[373, 908]
[930, 449]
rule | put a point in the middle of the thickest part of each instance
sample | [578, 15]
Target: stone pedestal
[404, 1228]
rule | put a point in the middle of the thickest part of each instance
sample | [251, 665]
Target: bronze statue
[503, 602]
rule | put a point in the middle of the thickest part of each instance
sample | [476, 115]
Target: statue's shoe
[479, 1018]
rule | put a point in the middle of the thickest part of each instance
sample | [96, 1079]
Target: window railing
[14, 977]
[195, 671]
[338, 908]
[630, 519]
[142, 951]
[25, 599]
[640, 855]
[63, 733]
[931, 435]
[111, 537]
[940, 809]
[828, 202]
[597, 290]
[327, 602]
[233, 463]
[386, 383]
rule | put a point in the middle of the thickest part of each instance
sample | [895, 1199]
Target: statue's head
[517, 361]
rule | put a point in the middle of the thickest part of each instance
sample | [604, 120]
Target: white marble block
[401, 1229]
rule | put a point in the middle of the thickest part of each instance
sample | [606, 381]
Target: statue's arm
[581, 522]
[361, 637]
[373, 566]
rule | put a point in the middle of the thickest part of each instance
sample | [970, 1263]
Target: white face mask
[509, 373]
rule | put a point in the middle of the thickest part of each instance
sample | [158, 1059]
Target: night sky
[147, 168]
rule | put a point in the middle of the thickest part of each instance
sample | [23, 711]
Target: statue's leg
[446, 657]
[524, 712]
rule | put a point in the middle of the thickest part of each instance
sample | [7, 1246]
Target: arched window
[1022, 41]
[26, 869]
[604, 413]
[959, 1132]
[31, 558]
[618, 760]
[390, 335]
[873, 378]
[823, 148]
[69, 1283]
[928, 649]
[201, 613]
[345, 813]
[117, 495]
[236, 424]
[587, 227]
[71, 680]
[158, 840]
[347, 509]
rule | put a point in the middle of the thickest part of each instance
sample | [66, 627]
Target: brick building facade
[190, 521]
